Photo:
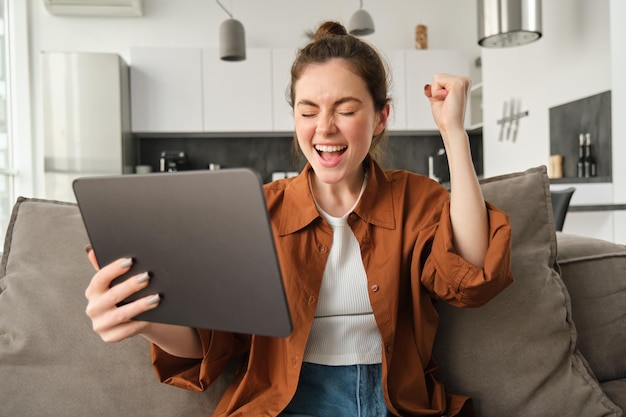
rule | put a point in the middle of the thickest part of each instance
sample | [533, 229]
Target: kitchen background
[580, 54]
[270, 155]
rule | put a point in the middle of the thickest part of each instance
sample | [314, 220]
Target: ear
[382, 118]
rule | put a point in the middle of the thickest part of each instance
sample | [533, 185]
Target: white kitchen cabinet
[237, 94]
[475, 110]
[420, 66]
[166, 89]
[282, 59]
[192, 90]
[397, 91]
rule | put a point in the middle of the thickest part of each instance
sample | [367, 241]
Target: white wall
[574, 59]
[618, 96]
[570, 61]
[268, 23]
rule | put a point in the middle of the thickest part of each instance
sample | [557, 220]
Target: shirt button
[352, 216]
[323, 249]
[366, 240]
[374, 287]
[294, 361]
[389, 349]
[311, 300]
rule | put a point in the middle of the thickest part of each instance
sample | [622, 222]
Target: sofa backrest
[51, 362]
[516, 356]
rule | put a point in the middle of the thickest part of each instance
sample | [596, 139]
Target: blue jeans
[338, 391]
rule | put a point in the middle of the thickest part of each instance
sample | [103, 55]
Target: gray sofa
[552, 344]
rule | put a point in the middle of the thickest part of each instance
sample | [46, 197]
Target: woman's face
[335, 120]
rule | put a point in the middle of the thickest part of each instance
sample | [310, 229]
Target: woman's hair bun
[329, 29]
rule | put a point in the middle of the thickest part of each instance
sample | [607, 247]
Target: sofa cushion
[51, 362]
[616, 391]
[595, 274]
[516, 356]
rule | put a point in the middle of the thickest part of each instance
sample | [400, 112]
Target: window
[7, 173]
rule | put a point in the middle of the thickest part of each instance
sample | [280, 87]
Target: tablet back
[204, 237]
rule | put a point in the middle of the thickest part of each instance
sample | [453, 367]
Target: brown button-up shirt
[402, 224]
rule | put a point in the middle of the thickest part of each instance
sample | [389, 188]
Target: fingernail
[126, 263]
[143, 278]
[88, 248]
[153, 299]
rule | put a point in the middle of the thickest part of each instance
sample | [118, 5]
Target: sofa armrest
[594, 272]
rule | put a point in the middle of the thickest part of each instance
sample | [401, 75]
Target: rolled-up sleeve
[451, 278]
[197, 374]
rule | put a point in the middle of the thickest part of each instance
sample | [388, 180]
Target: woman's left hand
[448, 100]
[468, 214]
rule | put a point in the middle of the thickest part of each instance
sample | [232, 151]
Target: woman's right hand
[111, 322]
[115, 323]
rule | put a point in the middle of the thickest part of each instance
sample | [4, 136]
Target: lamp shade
[503, 23]
[361, 23]
[232, 41]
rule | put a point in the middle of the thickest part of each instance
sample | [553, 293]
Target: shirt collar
[375, 207]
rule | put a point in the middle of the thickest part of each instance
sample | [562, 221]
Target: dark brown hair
[331, 41]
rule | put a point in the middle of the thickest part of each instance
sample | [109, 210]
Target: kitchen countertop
[597, 207]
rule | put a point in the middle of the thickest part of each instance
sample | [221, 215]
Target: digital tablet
[204, 237]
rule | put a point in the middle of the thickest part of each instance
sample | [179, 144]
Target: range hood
[102, 8]
[504, 23]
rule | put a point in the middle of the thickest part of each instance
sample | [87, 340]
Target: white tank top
[344, 330]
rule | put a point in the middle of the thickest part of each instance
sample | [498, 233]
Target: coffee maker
[172, 161]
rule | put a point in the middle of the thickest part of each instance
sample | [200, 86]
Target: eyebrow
[342, 100]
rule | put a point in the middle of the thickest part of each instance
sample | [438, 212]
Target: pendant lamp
[504, 23]
[232, 38]
[361, 23]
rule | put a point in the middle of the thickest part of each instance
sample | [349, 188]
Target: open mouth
[328, 152]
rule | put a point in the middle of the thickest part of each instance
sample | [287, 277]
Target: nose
[326, 124]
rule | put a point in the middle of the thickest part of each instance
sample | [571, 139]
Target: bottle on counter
[431, 169]
[581, 156]
[589, 161]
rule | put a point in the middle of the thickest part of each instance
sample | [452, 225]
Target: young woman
[363, 252]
